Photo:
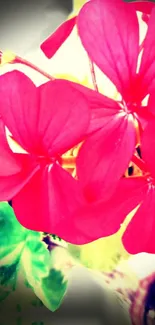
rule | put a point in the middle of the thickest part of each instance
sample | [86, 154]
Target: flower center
[151, 181]
[130, 107]
[44, 161]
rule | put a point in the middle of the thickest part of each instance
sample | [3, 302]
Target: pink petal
[148, 146]
[151, 104]
[139, 236]
[101, 117]
[9, 165]
[95, 98]
[12, 184]
[147, 68]
[100, 106]
[144, 115]
[63, 118]
[110, 34]
[19, 108]
[48, 202]
[51, 118]
[148, 112]
[143, 6]
[51, 45]
[104, 156]
[28, 204]
[53, 203]
[102, 219]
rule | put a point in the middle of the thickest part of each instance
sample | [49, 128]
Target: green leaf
[8, 279]
[52, 289]
[11, 232]
[35, 260]
[3, 294]
[8, 275]
[23, 255]
[102, 254]
[25, 262]
[12, 235]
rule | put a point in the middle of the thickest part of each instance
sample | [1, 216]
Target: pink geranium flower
[109, 31]
[110, 34]
[139, 236]
[100, 218]
[56, 39]
[46, 121]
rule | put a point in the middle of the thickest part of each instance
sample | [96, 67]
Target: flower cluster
[49, 120]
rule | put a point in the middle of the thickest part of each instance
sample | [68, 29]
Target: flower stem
[29, 64]
[8, 57]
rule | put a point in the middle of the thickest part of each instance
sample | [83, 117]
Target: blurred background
[25, 24]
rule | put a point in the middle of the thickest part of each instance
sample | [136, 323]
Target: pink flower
[104, 155]
[139, 236]
[110, 35]
[109, 32]
[46, 122]
[56, 39]
[49, 120]
[100, 218]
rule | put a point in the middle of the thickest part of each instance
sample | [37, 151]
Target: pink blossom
[110, 35]
[56, 39]
[46, 121]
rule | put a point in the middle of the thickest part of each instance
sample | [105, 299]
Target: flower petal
[19, 108]
[12, 184]
[148, 146]
[100, 106]
[64, 116]
[95, 98]
[51, 45]
[9, 165]
[143, 6]
[48, 202]
[139, 235]
[101, 219]
[110, 34]
[104, 156]
[151, 104]
[52, 117]
[147, 67]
